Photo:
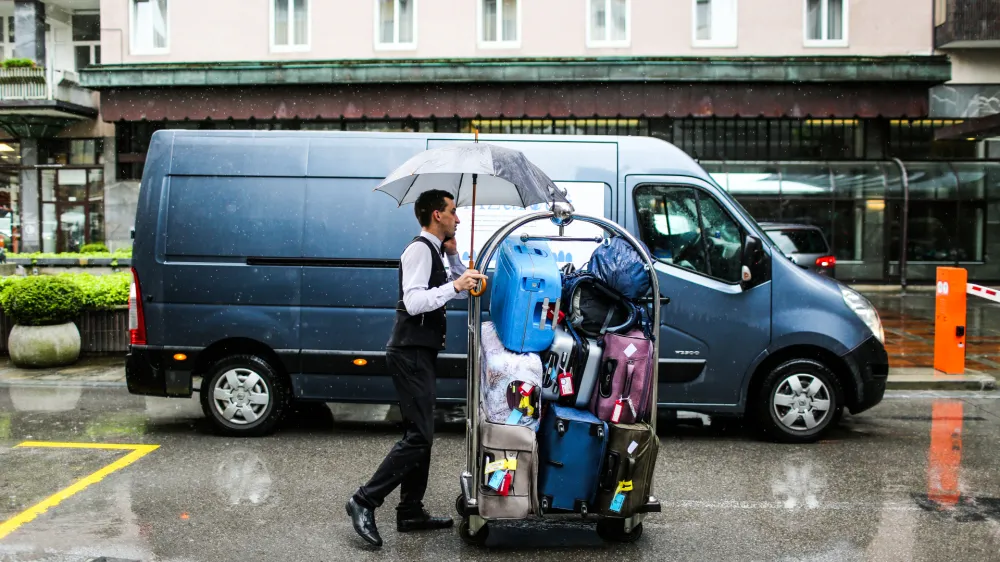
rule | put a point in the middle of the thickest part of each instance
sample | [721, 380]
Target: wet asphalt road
[916, 478]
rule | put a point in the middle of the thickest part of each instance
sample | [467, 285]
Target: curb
[962, 382]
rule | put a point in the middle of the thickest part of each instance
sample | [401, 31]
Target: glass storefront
[952, 216]
[70, 179]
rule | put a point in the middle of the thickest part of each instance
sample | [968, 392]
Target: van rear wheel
[799, 402]
[244, 396]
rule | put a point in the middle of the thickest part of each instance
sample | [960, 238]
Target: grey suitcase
[559, 357]
[499, 443]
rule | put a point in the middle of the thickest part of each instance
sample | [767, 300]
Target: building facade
[51, 135]
[813, 111]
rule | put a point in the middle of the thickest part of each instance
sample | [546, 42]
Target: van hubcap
[801, 402]
[241, 396]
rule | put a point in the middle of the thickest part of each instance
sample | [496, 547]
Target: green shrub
[42, 300]
[18, 63]
[94, 248]
[101, 292]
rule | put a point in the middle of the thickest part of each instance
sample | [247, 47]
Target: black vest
[427, 329]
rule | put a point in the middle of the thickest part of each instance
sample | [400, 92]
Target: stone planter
[44, 346]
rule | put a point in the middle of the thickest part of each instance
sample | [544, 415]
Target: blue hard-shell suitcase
[571, 448]
[526, 283]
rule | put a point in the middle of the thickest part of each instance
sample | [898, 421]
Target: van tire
[792, 397]
[243, 393]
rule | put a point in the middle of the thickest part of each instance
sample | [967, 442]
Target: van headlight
[865, 311]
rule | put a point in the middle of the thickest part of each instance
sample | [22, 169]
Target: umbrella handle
[479, 290]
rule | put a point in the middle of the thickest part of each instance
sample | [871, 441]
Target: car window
[684, 227]
[798, 241]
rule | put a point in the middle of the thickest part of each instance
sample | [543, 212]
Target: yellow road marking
[26, 516]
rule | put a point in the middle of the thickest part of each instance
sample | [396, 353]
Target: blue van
[265, 266]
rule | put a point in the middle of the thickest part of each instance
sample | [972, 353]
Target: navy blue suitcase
[571, 447]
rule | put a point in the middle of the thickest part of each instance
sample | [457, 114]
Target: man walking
[426, 283]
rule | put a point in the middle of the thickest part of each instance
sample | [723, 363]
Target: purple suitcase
[626, 374]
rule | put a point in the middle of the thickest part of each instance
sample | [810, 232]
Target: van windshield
[799, 240]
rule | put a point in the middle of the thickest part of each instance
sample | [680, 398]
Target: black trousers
[408, 463]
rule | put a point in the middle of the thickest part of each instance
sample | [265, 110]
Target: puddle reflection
[945, 454]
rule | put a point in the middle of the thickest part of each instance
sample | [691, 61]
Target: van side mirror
[752, 253]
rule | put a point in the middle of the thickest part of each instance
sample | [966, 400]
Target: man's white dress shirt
[416, 263]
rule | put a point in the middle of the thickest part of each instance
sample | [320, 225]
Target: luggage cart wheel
[460, 505]
[479, 539]
[613, 530]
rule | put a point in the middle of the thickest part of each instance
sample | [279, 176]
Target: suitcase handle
[612, 466]
[608, 376]
[556, 464]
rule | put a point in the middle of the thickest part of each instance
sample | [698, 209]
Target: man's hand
[450, 246]
[468, 280]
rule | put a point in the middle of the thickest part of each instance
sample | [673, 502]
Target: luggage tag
[529, 410]
[565, 383]
[619, 500]
[514, 417]
[617, 413]
[496, 481]
[504, 489]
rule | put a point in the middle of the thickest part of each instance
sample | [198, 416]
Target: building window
[72, 205]
[86, 39]
[715, 23]
[6, 37]
[608, 23]
[826, 23]
[500, 23]
[150, 27]
[289, 25]
[395, 22]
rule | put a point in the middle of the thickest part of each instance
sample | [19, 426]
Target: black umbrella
[506, 176]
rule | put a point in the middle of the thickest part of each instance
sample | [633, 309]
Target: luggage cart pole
[468, 501]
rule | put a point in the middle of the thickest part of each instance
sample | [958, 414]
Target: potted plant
[43, 308]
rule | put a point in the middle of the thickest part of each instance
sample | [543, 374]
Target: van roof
[635, 154]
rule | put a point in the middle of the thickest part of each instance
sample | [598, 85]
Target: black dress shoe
[364, 522]
[422, 522]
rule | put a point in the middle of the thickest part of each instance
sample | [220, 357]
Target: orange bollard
[949, 320]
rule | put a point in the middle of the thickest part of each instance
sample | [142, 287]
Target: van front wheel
[244, 396]
[799, 401]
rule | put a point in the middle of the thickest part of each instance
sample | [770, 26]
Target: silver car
[804, 244]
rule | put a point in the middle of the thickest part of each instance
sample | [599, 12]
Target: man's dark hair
[428, 202]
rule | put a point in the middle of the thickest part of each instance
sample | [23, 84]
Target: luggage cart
[474, 528]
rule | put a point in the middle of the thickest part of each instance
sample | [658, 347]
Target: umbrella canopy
[504, 177]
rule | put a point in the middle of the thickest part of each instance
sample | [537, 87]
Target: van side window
[687, 228]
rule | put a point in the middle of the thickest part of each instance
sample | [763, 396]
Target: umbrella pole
[482, 286]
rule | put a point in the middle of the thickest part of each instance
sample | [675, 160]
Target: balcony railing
[44, 84]
[967, 24]
[23, 84]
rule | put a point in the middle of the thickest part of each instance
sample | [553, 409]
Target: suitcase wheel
[479, 539]
[583, 509]
[545, 504]
[560, 427]
[613, 530]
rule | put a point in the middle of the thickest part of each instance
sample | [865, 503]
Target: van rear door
[714, 328]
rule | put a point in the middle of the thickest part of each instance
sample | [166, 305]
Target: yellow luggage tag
[529, 410]
[502, 464]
